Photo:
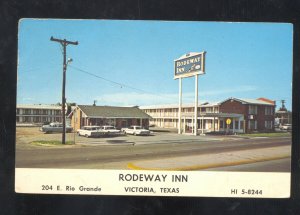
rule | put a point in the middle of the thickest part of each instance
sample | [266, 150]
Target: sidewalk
[201, 162]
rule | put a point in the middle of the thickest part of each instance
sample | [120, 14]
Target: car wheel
[134, 134]
[87, 136]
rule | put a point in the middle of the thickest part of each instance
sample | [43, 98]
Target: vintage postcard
[154, 108]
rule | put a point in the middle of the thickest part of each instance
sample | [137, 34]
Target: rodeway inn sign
[190, 64]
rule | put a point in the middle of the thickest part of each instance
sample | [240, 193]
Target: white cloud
[243, 88]
[133, 98]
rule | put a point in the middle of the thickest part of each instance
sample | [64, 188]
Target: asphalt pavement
[165, 151]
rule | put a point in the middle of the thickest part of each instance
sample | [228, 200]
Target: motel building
[120, 117]
[245, 116]
[37, 114]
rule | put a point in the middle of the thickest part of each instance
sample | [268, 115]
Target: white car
[136, 130]
[286, 127]
[90, 131]
[110, 130]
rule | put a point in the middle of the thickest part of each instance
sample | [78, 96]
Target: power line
[116, 83]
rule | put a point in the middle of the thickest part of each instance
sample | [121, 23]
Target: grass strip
[51, 143]
[276, 134]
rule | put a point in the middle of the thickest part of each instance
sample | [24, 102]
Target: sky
[127, 63]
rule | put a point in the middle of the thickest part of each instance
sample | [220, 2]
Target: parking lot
[26, 135]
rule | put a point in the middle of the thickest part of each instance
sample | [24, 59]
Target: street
[157, 150]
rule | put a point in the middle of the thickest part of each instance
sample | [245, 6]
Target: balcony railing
[175, 114]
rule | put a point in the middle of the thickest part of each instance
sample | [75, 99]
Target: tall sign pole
[64, 44]
[188, 65]
[196, 106]
[180, 106]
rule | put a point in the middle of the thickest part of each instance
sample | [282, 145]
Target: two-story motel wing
[246, 115]
[37, 114]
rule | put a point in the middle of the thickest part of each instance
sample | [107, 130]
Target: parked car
[55, 127]
[90, 131]
[286, 127]
[110, 130]
[136, 130]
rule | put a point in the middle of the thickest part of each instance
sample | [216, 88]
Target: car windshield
[90, 128]
[138, 127]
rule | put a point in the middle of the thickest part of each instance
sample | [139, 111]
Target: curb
[208, 166]
[104, 144]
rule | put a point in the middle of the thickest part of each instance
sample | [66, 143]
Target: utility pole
[64, 44]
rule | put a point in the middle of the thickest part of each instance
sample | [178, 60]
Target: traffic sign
[228, 121]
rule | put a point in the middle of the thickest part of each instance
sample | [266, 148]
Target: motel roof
[260, 101]
[39, 106]
[163, 106]
[113, 112]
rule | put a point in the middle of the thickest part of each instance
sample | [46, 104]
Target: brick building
[246, 115]
[119, 117]
[259, 114]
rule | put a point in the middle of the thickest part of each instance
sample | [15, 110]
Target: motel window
[37, 119]
[26, 119]
[252, 109]
[221, 123]
[18, 111]
[216, 109]
[241, 125]
[18, 119]
[209, 110]
[268, 110]
[27, 111]
[252, 124]
[268, 124]
[236, 124]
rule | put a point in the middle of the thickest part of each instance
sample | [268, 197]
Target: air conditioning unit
[250, 117]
